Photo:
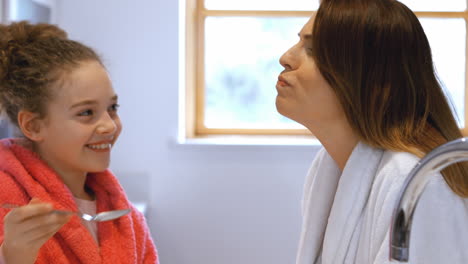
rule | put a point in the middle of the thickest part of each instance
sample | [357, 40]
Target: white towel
[346, 216]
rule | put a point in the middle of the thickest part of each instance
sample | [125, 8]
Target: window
[233, 50]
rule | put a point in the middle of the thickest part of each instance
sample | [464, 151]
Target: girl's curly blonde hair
[32, 59]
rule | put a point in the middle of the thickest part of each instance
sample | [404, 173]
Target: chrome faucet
[435, 161]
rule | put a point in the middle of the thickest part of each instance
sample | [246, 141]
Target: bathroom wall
[207, 204]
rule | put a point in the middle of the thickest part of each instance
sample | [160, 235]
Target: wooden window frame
[195, 15]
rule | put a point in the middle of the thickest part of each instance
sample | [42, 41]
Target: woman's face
[81, 123]
[303, 93]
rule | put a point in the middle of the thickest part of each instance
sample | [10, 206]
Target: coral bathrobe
[23, 175]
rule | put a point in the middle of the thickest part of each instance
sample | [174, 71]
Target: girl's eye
[86, 113]
[114, 107]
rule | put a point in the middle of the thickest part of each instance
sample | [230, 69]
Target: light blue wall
[207, 204]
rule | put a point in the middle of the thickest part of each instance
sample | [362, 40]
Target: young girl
[59, 95]
[361, 79]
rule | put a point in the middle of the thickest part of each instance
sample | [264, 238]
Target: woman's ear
[30, 125]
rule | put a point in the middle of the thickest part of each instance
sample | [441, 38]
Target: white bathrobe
[347, 215]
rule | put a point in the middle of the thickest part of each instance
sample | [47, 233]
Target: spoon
[100, 217]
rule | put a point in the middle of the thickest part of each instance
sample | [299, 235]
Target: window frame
[195, 15]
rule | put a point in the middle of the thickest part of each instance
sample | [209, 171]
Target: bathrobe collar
[334, 205]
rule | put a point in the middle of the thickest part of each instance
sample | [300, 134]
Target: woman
[361, 79]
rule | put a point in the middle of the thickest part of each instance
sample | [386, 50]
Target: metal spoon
[100, 217]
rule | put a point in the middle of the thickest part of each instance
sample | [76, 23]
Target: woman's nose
[285, 60]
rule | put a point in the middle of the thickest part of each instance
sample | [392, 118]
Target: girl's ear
[30, 125]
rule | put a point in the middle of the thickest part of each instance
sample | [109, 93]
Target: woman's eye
[308, 46]
[86, 113]
[114, 107]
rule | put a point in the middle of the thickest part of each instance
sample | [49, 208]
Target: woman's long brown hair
[376, 56]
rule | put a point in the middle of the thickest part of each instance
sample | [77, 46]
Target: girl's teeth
[100, 146]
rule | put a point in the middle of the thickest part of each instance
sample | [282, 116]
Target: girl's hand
[27, 228]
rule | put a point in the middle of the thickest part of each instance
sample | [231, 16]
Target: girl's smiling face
[81, 124]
